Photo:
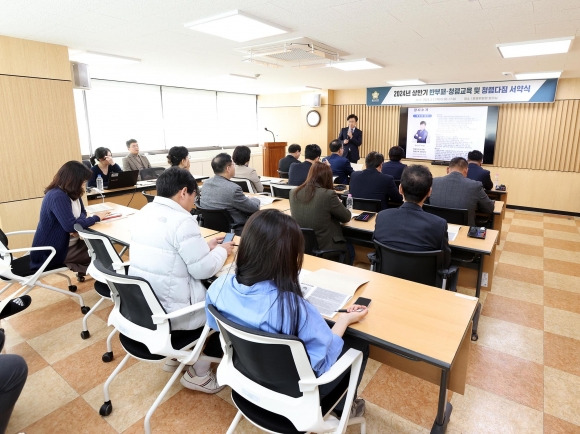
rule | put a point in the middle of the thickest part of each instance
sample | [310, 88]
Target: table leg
[444, 408]
[479, 272]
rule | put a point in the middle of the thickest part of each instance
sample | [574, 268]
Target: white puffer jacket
[167, 250]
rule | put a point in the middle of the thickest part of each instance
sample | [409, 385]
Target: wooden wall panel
[39, 133]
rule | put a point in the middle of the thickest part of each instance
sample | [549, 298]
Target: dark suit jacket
[323, 213]
[410, 228]
[351, 148]
[372, 184]
[478, 173]
[285, 163]
[421, 136]
[298, 173]
[341, 168]
[394, 168]
[455, 191]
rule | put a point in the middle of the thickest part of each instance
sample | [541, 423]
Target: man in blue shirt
[340, 166]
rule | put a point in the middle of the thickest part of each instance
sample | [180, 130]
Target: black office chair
[454, 216]
[87, 163]
[282, 191]
[151, 173]
[244, 183]
[148, 196]
[283, 175]
[373, 205]
[311, 247]
[216, 219]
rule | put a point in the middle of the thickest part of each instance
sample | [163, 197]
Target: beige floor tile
[12, 336]
[132, 393]
[525, 239]
[555, 425]
[482, 412]
[34, 361]
[565, 300]
[370, 370]
[562, 322]
[63, 341]
[560, 220]
[564, 282]
[44, 392]
[518, 290]
[42, 297]
[383, 421]
[521, 260]
[562, 255]
[561, 235]
[510, 338]
[560, 388]
[528, 223]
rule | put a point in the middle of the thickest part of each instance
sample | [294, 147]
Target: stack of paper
[267, 200]
[452, 231]
[98, 207]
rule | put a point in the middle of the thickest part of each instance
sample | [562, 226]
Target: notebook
[122, 179]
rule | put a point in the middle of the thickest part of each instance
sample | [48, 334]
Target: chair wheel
[107, 357]
[80, 277]
[106, 409]
[474, 337]
[85, 334]
[72, 288]
[85, 309]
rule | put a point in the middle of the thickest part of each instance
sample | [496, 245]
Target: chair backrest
[452, 215]
[151, 173]
[216, 219]
[148, 196]
[246, 185]
[101, 249]
[87, 163]
[310, 241]
[420, 267]
[283, 175]
[265, 369]
[282, 191]
[4, 257]
[135, 304]
[373, 205]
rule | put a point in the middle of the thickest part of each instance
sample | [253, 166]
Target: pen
[345, 311]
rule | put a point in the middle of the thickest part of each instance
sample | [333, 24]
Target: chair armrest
[121, 265]
[373, 258]
[448, 271]
[161, 318]
[30, 231]
[334, 372]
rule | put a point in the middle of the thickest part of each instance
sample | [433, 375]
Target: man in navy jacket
[372, 184]
[351, 138]
[340, 166]
[476, 172]
[394, 167]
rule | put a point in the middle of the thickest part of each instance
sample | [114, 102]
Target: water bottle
[496, 180]
[349, 202]
[100, 182]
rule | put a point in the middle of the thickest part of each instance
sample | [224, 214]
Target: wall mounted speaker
[80, 75]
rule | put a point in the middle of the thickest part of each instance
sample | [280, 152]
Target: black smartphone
[363, 301]
[365, 216]
[229, 237]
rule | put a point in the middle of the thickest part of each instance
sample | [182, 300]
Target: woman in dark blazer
[315, 205]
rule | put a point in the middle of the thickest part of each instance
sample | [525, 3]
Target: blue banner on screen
[492, 92]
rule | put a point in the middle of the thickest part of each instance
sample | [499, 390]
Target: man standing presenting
[351, 138]
[134, 161]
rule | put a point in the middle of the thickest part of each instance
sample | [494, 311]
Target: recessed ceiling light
[538, 75]
[235, 26]
[535, 48]
[354, 65]
[411, 82]
[94, 58]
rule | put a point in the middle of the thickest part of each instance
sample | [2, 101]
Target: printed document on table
[266, 200]
[98, 207]
[452, 231]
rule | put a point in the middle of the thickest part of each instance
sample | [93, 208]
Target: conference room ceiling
[437, 41]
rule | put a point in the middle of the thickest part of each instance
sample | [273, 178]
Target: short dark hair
[100, 153]
[335, 146]
[374, 160]
[70, 178]
[396, 153]
[241, 155]
[458, 162]
[416, 181]
[422, 123]
[353, 116]
[294, 148]
[130, 142]
[176, 155]
[173, 179]
[220, 162]
[312, 152]
[475, 155]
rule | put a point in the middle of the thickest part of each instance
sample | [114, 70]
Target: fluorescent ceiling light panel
[412, 82]
[354, 65]
[535, 48]
[235, 26]
[94, 58]
[538, 75]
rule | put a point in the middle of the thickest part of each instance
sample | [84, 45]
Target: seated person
[315, 205]
[134, 161]
[103, 165]
[241, 157]
[394, 167]
[298, 173]
[341, 168]
[294, 152]
[476, 172]
[372, 184]
[265, 295]
[456, 191]
[178, 156]
[62, 207]
[168, 251]
[221, 193]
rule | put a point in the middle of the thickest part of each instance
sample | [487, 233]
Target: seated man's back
[341, 168]
[298, 173]
[372, 184]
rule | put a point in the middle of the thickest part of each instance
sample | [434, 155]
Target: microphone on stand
[273, 137]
